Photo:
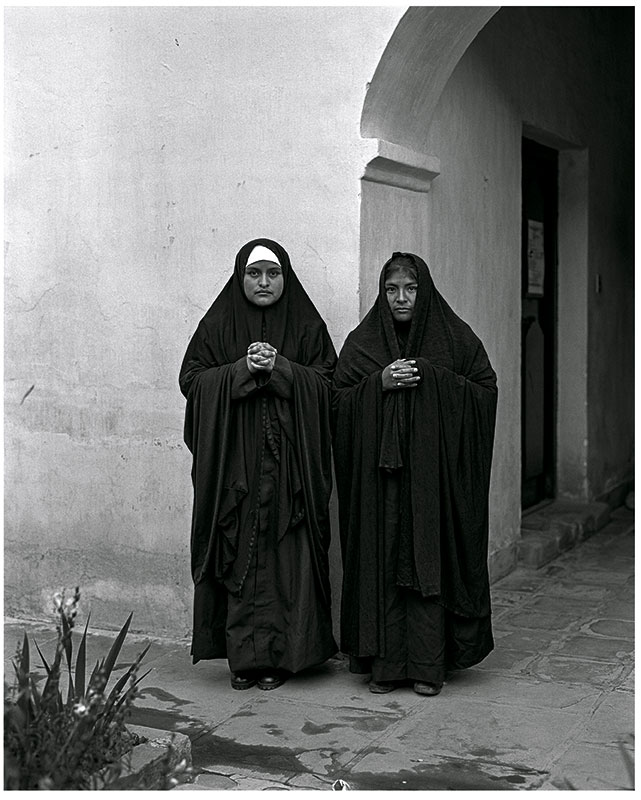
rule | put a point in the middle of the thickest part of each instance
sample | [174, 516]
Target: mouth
[402, 310]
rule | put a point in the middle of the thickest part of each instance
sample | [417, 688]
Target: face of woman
[263, 283]
[401, 288]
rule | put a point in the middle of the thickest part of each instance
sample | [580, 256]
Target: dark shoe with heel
[428, 689]
[242, 680]
[382, 687]
[271, 680]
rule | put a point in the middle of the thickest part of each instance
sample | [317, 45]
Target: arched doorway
[448, 106]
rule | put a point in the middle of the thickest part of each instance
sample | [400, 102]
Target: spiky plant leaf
[42, 658]
[35, 695]
[81, 663]
[71, 692]
[51, 693]
[124, 678]
[24, 656]
[131, 689]
[21, 667]
[94, 674]
[115, 648]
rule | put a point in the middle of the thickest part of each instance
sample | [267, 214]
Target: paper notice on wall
[535, 258]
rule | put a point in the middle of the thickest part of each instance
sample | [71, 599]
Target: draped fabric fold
[261, 468]
[436, 441]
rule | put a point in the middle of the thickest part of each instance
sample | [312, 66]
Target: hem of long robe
[458, 655]
[210, 634]
[292, 667]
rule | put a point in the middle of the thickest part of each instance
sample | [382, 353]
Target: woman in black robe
[414, 412]
[257, 377]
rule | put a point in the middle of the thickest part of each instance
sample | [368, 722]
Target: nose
[263, 279]
[402, 296]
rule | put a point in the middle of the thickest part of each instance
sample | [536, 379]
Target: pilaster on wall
[572, 354]
[394, 186]
[399, 166]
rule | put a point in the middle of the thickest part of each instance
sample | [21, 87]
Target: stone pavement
[551, 708]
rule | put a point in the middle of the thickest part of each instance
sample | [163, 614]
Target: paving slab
[592, 767]
[627, 683]
[612, 721]
[523, 691]
[570, 589]
[497, 733]
[610, 628]
[617, 607]
[563, 620]
[525, 640]
[506, 598]
[597, 648]
[561, 669]
[504, 660]
[394, 770]
[521, 580]
[602, 576]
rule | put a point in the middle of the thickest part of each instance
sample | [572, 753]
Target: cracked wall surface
[144, 146]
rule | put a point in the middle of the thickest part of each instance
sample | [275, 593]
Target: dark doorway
[538, 318]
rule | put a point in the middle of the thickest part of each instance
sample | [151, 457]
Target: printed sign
[535, 258]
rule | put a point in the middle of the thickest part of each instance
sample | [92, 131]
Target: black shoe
[381, 687]
[429, 689]
[271, 680]
[242, 681]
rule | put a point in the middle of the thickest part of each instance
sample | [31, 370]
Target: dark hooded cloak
[235, 423]
[437, 440]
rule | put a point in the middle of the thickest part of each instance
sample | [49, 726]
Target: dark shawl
[437, 437]
[216, 425]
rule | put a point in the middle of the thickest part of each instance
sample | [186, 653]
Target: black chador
[413, 472]
[262, 478]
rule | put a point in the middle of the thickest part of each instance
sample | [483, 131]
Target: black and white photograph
[319, 411]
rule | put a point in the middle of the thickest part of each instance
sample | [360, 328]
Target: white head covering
[262, 253]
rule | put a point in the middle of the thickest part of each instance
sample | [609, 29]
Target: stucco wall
[144, 146]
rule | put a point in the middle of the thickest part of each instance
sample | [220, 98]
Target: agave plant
[77, 742]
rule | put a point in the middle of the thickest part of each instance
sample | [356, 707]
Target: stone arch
[427, 41]
[398, 108]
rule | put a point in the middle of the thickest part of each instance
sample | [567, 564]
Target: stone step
[556, 527]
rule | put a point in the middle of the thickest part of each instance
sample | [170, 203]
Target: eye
[274, 273]
[412, 288]
[390, 289]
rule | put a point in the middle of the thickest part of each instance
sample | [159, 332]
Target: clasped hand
[400, 374]
[261, 356]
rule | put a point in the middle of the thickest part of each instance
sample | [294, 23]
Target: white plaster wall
[143, 147]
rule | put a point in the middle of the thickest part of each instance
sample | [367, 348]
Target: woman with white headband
[257, 376]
